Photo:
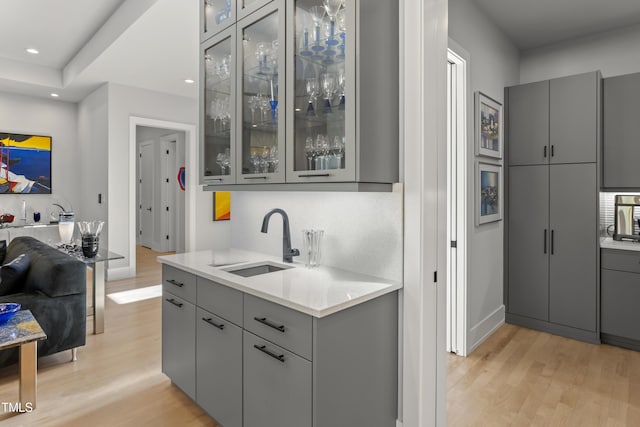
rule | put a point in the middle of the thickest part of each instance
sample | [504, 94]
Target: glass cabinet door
[246, 7]
[217, 124]
[217, 15]
[261, 85]
[322, 92]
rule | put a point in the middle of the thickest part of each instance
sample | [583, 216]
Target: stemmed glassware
[342, 28]
[329, 84]
[317, 14]
[332, 7]
[224, 161]
[311, 85]
[341, 85]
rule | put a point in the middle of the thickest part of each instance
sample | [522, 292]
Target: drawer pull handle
[319, 175]
[210, 321]
[174, 302]
[173, 282]
[264, 321]
[254, 177]
[263, 348]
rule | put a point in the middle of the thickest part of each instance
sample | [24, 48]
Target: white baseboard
[399, 423]
[483, 330]
[119, 273]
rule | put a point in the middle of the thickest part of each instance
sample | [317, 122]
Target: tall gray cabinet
[551, 243]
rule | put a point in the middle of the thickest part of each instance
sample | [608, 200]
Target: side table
[24, 330]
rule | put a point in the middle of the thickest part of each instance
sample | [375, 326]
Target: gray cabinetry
[529, 124]
[573, 260]
[621, 142]
[552, 217]
[528, 241]
[179, 342]
[277, 385]
[219, 368]
[620, 294]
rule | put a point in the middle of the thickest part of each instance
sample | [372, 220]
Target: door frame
[457, 292]
[191, 148]
[139, 197]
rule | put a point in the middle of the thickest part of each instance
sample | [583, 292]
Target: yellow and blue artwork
[25, 163]
[221, 205]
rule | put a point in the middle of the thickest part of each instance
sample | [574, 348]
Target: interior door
[573, 261]
[528, 241]
[146, 191]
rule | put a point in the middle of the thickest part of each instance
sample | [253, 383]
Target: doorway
[456, 335]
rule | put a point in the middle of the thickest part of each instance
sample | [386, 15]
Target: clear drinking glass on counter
[312, 247]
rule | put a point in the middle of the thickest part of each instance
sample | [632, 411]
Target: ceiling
[534, 23]
[153, 44]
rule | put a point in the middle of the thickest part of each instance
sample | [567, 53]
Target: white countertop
[609, 243]
[318, 292]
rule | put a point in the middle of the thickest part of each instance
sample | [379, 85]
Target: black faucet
[287, 252]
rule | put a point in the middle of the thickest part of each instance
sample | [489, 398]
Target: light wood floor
[518, 377]
[116, 380]
[521, 377]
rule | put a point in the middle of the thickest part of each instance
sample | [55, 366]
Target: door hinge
[435, 277]
[454, 243]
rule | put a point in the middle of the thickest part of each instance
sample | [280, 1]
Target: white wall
[125, 102]
[363, 231]
[493, 65]
[613, 52]
[30, 115]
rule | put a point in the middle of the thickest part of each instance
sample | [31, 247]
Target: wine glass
[329, 84]
[264, 164]
[227, 160]
[332, 7]
[311, 85]
[341, 83]
[317, 14]
[220, 162]
[303, 22]
[342, 28]
[309, 151]
[273, 159]
[264, 105]
[261, 56]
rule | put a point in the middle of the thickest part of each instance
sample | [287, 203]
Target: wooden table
[24, 330]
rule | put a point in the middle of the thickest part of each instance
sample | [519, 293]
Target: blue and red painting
[25, 164]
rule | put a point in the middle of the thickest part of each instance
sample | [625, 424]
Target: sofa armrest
[51, 271]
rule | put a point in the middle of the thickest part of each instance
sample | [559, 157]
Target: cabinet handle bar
[174, 302]
[552, 242]
[323, 175]
[266, 322]
[254, 177]
[263, 348]
[545, 240]
[173, 282]
[210, 321]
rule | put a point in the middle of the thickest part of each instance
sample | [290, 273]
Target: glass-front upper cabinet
[321, 102]
[216, 16]
[261, 85]
[217, 109]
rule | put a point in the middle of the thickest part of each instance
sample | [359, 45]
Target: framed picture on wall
[221, 206]
[489, 191]
[489, 128]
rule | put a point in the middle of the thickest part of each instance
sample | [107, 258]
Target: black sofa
[54, 289]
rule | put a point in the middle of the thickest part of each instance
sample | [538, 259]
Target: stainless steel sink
[257, 269]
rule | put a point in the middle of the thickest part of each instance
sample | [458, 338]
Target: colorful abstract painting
[25, 163]
[488, 193]
[488, 126]
[221, 205]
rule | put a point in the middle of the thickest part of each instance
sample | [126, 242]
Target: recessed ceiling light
[55, 95]
[33, 51]
[189, 81]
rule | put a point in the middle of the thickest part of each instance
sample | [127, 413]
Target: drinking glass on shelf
[341, 83]
[220, 162]
[265, 106]
[273, 159]
[329, 52]
[342, 28]
[309, 151]
[332, 7]
[338, 150]
[303, 23]
[317, 14]
[227, 160]
[254, 159]
[311, 86]
[328, 82]
[261, 56]
[252, 103]
[264, 163]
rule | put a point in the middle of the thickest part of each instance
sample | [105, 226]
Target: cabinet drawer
[220, 300]
[620, 297]
[276, 385]
[614, 259]
[179, 342]
[179, 283]
[281, 325]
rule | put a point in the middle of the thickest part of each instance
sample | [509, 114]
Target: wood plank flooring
[117, 379]
[518, 377]
[521, 377]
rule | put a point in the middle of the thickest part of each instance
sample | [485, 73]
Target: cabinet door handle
[210, 321]
[174, 302]
[545, 151]
[264, 321]
[309, 175]
[552, 242]
[173, 282]
[545, 240]
[552, 151]
[254, 177]
[263, 348]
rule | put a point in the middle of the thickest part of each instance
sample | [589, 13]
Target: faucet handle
[295, 252]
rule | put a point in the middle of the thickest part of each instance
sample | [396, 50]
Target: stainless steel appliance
[624, 220]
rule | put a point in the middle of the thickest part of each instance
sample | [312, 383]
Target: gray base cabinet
[254, 363]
